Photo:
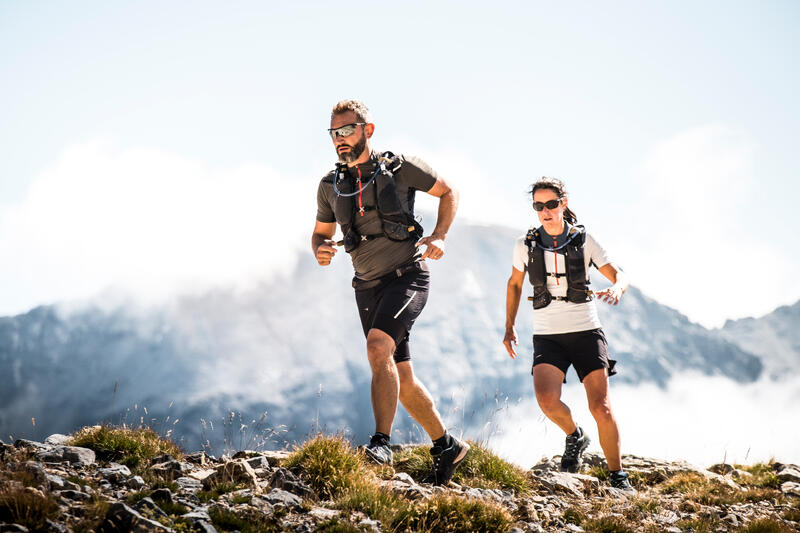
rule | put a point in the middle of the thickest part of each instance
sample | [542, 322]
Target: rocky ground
[53, 486]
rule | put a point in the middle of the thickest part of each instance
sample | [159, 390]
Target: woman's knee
[380, 347]
[548, 401]
[601, 409]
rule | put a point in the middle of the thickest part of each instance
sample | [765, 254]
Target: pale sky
[156, 146]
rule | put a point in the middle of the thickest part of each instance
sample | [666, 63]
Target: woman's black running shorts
[393, 305]
[585, 350]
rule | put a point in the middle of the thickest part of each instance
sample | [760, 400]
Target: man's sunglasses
[551, 204]
[345, 131]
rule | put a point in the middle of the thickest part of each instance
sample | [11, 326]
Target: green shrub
[206, 496]
[482, 469]
[766, 525]
[574, 516]
[451, 513]
[328, 464]
[246, 521]
[131, 447]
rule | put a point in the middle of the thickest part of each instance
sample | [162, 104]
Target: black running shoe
[378, 450]
[576, 444]
[445, 461]
[619, 480]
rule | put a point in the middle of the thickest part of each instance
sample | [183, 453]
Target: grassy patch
[766, 525]
[606, 524]
[334, 525]
[329, 465]
[135, 497]
[93, 514]
[702, 524]
[241, 499]
[646, 505]
[481, 469]
[27, 506]
[450, 513]
[131, 447]
[712, 492]
[206, 496]
[373, 500]
[247, 521]
[574, 516]
[764, 475]
[791, 514]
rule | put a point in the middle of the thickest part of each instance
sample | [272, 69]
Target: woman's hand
[611, 295]
[510, 340]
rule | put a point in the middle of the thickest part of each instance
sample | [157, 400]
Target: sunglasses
[345, 131]
[552, 204]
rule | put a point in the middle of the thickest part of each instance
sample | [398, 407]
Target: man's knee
[600, 408]
[548, 401]
[380, 347]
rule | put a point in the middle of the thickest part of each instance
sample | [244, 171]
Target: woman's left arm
[616, 276]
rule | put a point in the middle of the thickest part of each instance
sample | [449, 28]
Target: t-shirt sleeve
[520, 257]
[597, 253]
[418, 174]
[324, 208]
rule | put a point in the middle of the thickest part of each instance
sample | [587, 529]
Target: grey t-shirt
[377, 257]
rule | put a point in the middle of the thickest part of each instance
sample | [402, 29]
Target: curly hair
[357, 107]
[557, 186]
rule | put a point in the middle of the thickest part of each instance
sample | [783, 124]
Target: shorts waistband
[415, 266]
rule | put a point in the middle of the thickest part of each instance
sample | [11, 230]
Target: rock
[574, 527]
[238, 471]
[136, 482]
[285, 479]
[197, 515]
[120, 517]
[258, 461]
[791, 488]
[275, 458]
[55, 527]
[162, 495]
[13, 528]
[57, 439]
[788, 473]
[31, 444]
[168, 470]
[32, 470]
[187, 484]
[147, 507]
[405, 478]
[200, 475]
[281, 497]
[163, 458]
[323, 513]
[74, 495]
[722, 469]
[673, 529]
[115, 473]
[368, 524]
[67, 454]
[197, 458]
[574, 484]
[56, 482]
[202, 526]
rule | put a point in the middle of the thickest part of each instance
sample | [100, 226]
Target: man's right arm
[321, 244]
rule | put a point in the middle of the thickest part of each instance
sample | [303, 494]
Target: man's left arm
[448, 204]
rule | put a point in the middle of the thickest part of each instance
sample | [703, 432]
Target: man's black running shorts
[393, 305]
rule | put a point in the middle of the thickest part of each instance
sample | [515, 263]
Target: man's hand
[325, 252]
[611, 295]
[435, 246]
[510, 340]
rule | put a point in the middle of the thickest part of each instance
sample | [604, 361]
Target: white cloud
[703, 238]
[148, 222]
[729, 421]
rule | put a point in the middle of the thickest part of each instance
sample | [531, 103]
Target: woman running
[567, 330]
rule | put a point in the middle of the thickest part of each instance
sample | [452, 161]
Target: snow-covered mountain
[774, 337]
[292, 347]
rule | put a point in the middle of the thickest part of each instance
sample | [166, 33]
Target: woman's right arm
[513, 294]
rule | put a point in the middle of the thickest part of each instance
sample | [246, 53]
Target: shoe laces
[572, 444]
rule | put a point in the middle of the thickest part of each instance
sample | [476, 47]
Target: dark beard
[355, 151]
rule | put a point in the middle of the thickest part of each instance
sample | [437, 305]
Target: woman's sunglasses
[551, 204]
[345, 131]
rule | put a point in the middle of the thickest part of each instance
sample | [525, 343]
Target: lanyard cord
[350, 194]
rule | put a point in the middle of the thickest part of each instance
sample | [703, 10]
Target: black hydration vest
[397, 224]
[577, 278]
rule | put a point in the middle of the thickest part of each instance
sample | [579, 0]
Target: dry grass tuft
[132, 447]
